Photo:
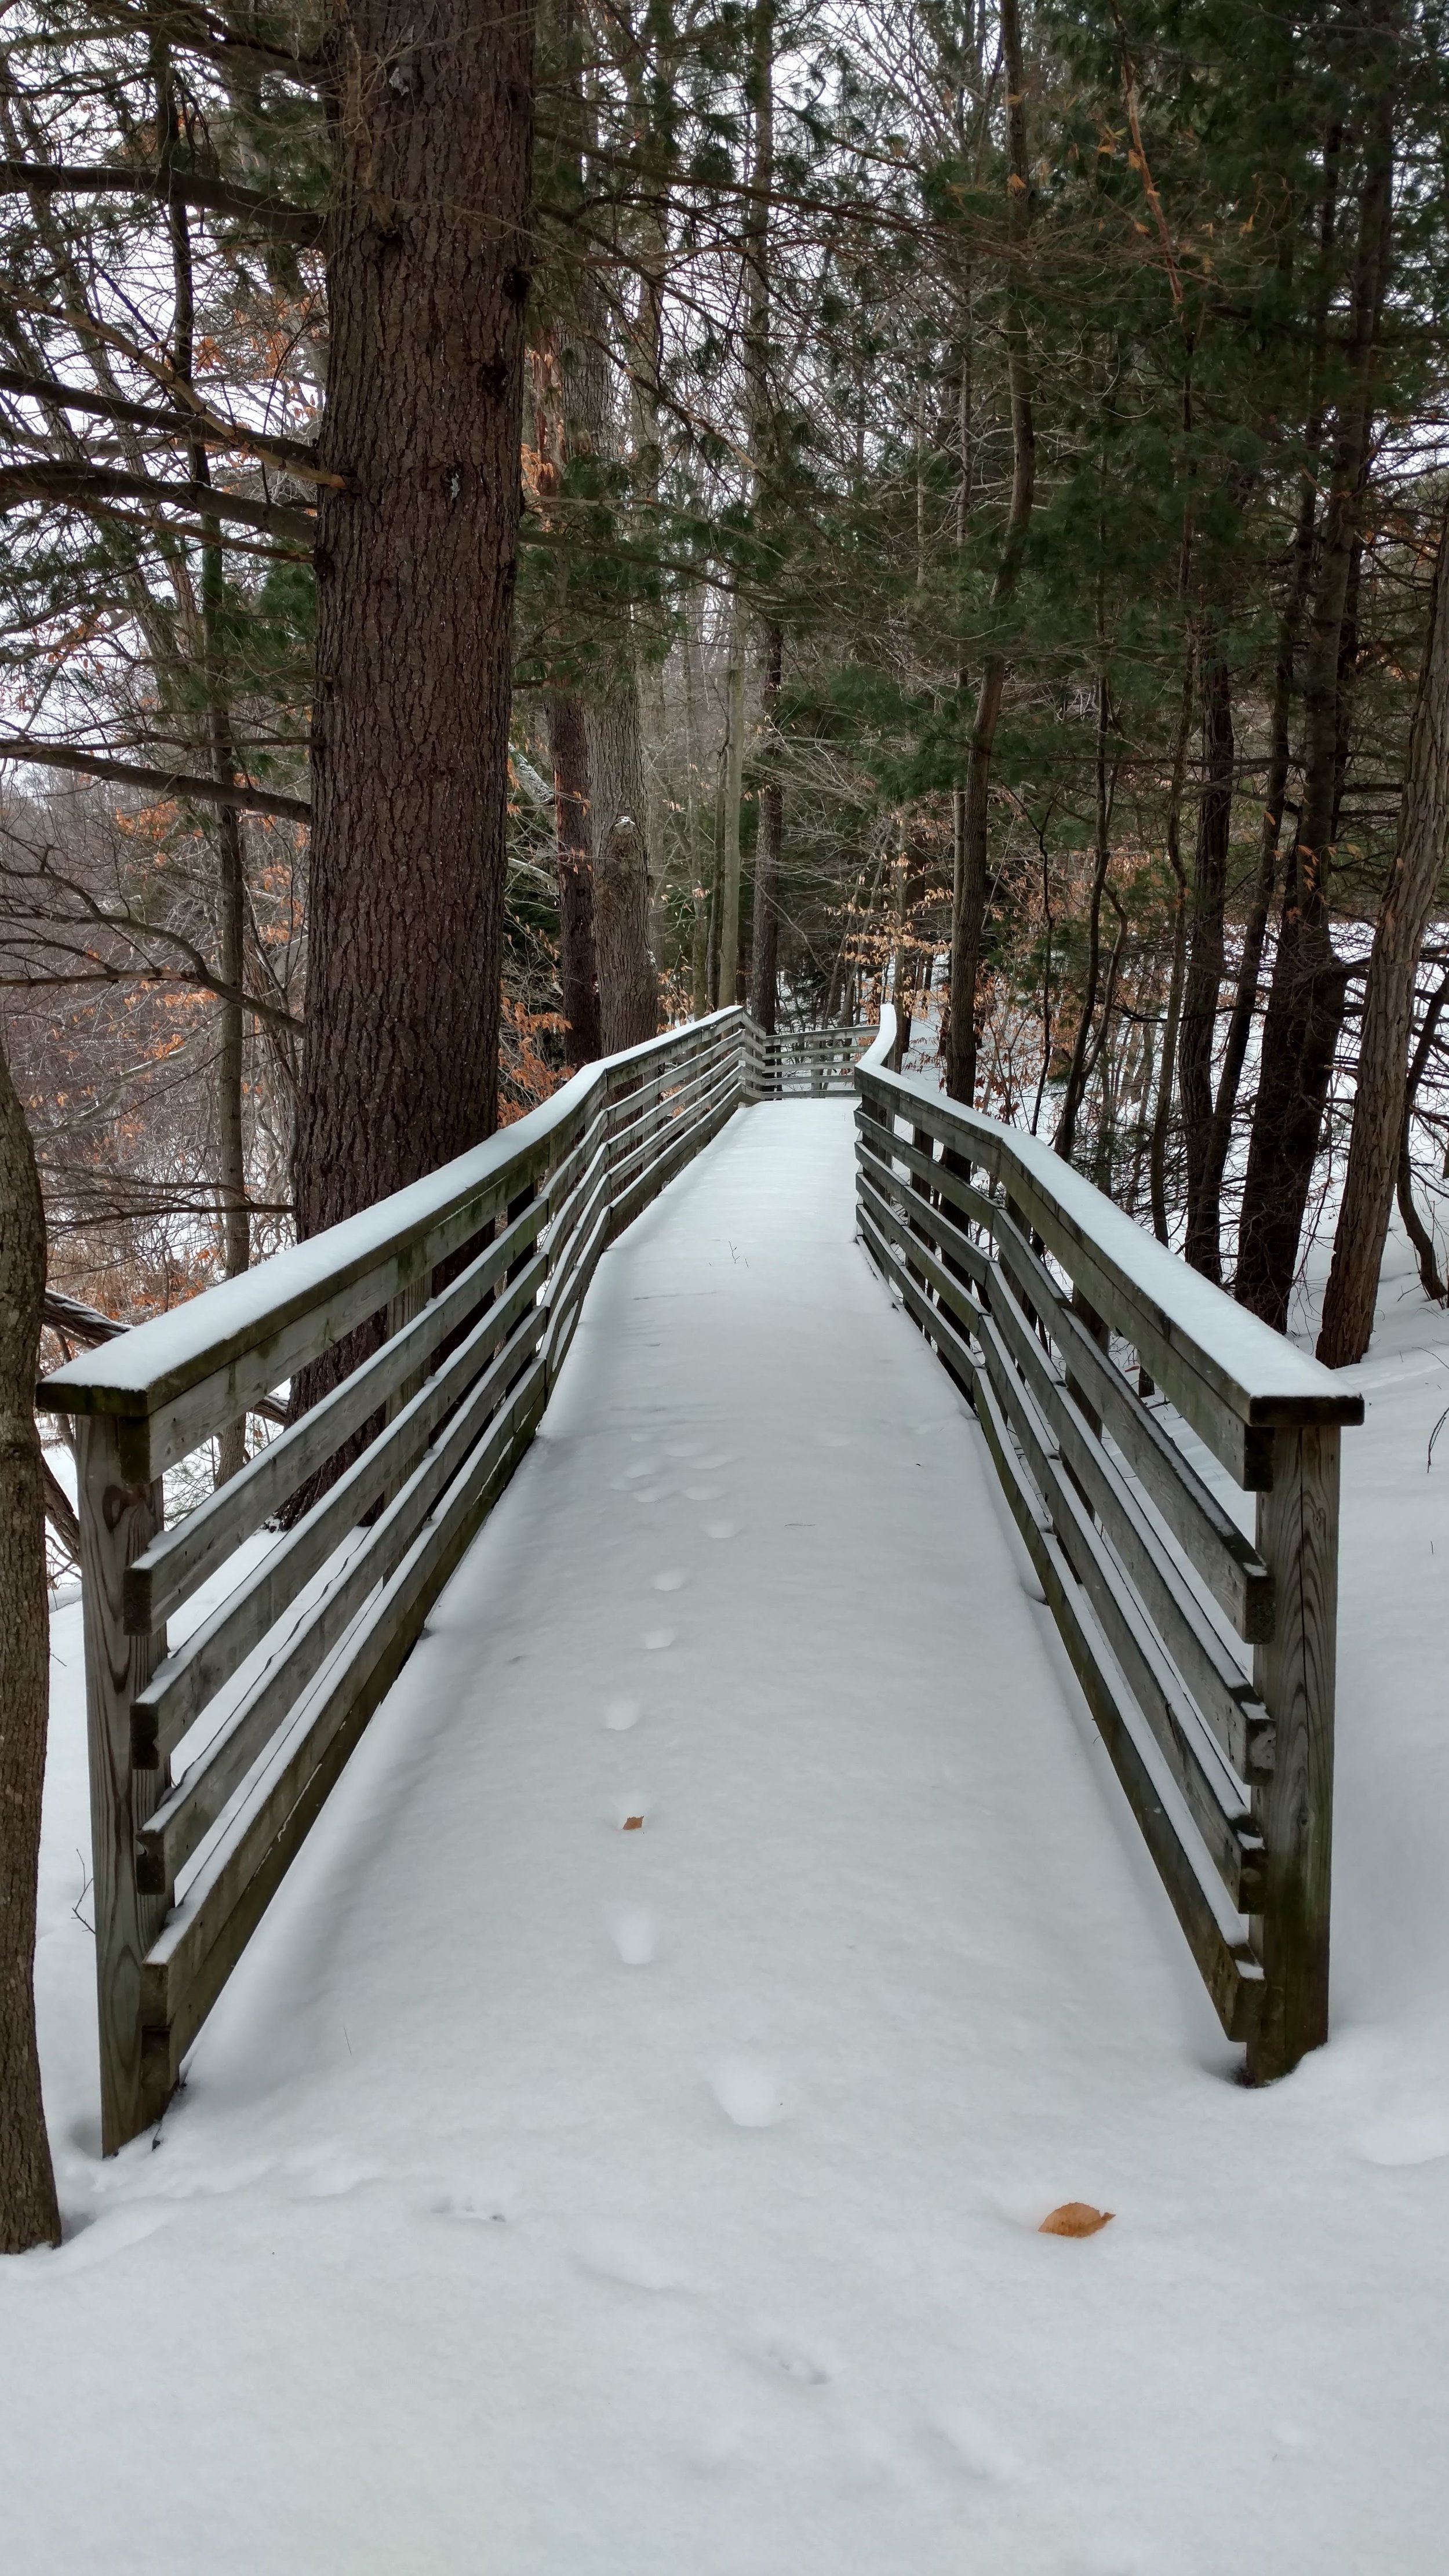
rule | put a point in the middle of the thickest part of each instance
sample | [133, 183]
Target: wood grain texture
[1295, 1674]
[117, 1521]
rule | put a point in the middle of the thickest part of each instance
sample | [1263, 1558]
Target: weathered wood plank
[180, 1559]
[180, 1689]
[186, 1815]
[1223, 1692]
[193, 1956]
[1295, 1672]
[117, 1520]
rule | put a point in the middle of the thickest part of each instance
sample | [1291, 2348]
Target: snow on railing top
[154, 1363]
[1143, 1288]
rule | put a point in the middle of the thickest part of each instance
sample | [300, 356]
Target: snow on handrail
[154, 1363]
[1143, 1287]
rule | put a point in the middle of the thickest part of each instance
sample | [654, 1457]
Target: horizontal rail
[1035, 1292]
[284, 1672]
[784, 1064]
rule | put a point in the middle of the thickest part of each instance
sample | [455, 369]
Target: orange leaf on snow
[1075, 2218]
[632, 1824]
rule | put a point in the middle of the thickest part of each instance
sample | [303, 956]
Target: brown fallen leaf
[1075, 2218]
[632, 1824]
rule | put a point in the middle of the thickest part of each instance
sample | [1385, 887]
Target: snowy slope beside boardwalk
[558, 2196]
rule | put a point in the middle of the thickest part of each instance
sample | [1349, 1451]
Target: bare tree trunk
[1077, 1072]
[568, 743]
[1162, 1114]
[628, 993]
[29, 2214]
[765, 951]
[734, 776]
[1378, 1112]
[969, 908]
[1417, 1232]
[1205, 966]
[416, 562]
[1306, 1004]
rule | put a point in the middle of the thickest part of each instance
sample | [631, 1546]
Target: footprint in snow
[973, 2443]
[613, 2253]
[632, 1930]
[673, 1579]
[721, 1529]
[621, 1713]
[703, 1493]
[655, 1639]
[641, 1467]
[748, 2092]
[781, 2352]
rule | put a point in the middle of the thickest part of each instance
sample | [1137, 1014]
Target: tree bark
[1205, 967]
[1408, 899]
[765, 952]
[734, 775]
[1306, 1002]
[416, 565]
[568, 743]
[29, 2214]
[628, 992]
[969, 907]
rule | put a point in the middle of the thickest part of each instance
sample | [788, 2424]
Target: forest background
[520, 530]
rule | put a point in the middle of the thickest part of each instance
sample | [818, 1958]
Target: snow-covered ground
[551, 2197]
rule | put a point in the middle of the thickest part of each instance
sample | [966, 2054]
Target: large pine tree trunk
[28, 2211]
[1205, 968]
[1378, 1113]
[1306, 1003]
[427, 278]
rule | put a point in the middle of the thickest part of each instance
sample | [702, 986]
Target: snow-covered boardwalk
[621, 2150]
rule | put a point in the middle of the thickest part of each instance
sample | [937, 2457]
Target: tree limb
[126, 773]
[99, 483]
[299, 226]
[294, 455]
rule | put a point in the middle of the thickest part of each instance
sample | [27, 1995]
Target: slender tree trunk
[765, 953]
[628, 992]
[1417, 1232]
[568, 743]
[1077, 1071]
[1306, 1003]
[969, 909]
[28, 2211]
[1408, 899]
[1162, 1114]
[416, 562]
[734, 775]
[1205, 966]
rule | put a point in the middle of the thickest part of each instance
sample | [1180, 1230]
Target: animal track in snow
[657, 1638]
[703, 1493]
[632, 1930]
[721, 1529]
[673, 1579]
[782, 2352]
[621, 1713]
[979, 2449]
[748, 2092]
[614, 2253]
[641, 1467]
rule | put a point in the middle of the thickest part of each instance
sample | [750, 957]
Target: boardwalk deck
[555, 2198]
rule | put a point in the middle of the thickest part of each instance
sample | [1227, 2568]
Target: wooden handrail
[457, 1386]
[1034, 1291]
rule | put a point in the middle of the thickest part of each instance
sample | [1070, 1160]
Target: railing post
[118, 1519]
[1297, 1536]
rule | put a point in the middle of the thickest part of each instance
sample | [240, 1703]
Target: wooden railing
[801, 1063]
[1036, 1293]
[275, 1684]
